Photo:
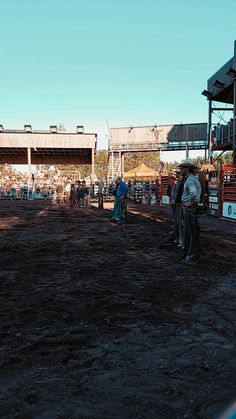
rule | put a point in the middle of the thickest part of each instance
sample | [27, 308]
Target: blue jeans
[191, 233]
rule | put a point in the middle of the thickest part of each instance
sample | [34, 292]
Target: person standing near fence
[120, 204]
[170, 192]
[80, 194]
[73, 195]
[100, 195]
[60, 195]
[190, 200]
[178, 214]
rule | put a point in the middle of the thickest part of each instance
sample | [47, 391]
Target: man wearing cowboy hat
[190, 199]
[120, 203]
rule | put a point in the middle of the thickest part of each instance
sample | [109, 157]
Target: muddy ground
[103, 321]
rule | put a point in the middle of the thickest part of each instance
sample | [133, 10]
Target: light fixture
[218, 84]
[207, 94]
[231, 73]
[53, 129]
[28, 128]
[80, 129]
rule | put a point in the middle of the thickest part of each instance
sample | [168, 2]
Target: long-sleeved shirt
[192, 189]
[122, 189]
[178, 191]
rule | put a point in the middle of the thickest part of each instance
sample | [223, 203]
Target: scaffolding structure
[221, 88]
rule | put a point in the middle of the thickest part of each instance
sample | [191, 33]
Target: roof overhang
[220, 84]
[46, 147]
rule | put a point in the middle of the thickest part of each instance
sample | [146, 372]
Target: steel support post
[209, 129]
[234, 125]
[112, 165]
[187, 150]
[29, 164]
[122, 164]
[119, 170]
[93, 160]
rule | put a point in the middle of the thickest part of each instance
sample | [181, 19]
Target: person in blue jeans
[120, 204]
[190, 199]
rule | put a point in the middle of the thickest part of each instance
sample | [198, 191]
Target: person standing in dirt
[170, 193]
[120, 204]
[89, 196]
[178, 218]
[190, 200]
[60, 195]
[84, 193]
[100, 195]
[80, 194]
[73, 195]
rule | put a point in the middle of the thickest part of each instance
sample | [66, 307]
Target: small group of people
[80, 194]
[184, 192]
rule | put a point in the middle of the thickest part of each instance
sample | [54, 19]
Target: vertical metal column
[186, 146]
[119, 170]
[209, 129]
[122, 164]
[234, 114]
[112, 165]
[29, 164]
[93, 152]
[234, 125]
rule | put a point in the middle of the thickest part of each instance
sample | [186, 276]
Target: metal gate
[228, 191]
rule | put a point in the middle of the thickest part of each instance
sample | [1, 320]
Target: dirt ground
[103, 321]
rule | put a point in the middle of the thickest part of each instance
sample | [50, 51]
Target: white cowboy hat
[188, 163]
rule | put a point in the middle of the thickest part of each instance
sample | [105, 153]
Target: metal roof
[223, 93]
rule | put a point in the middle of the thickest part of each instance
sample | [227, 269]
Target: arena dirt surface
[103, 321]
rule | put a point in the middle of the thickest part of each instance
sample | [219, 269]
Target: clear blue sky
[133, 62]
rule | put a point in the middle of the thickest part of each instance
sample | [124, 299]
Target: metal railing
[172, 145]
[223, 133]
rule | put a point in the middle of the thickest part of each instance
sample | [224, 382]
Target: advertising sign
[229, 210]
[213, 198]
[214, 181]
[165, 199]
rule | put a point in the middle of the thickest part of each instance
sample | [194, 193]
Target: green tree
[100, 166]
[101, 162]
[225, 158]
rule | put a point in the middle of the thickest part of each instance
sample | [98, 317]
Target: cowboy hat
[188, 163]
